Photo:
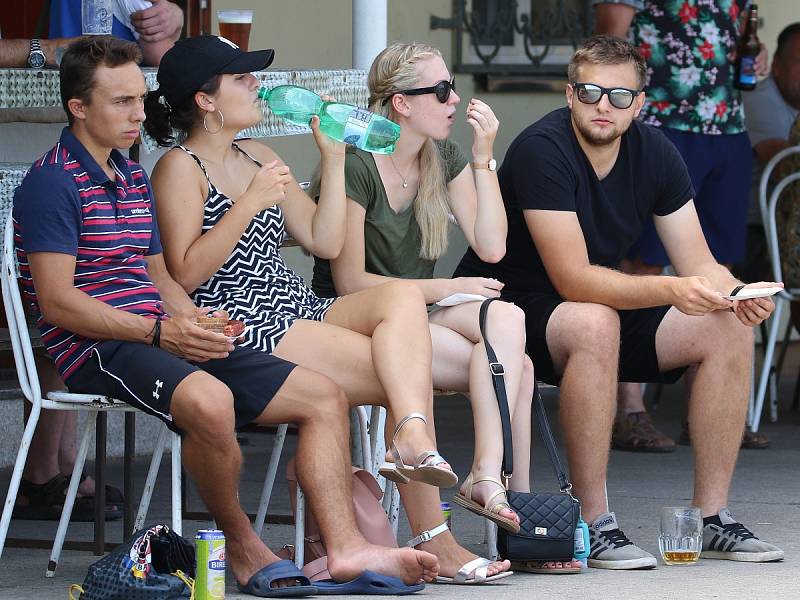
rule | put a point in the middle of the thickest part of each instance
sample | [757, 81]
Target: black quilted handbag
[547, 521]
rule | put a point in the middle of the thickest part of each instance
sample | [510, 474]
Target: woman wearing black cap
[222, 209]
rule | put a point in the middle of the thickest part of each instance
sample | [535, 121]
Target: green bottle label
[356, 126]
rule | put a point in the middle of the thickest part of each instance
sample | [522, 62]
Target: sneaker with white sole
[724, 538]
[611, 549]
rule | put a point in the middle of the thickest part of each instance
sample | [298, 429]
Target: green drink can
[209, 581]
[447, 513]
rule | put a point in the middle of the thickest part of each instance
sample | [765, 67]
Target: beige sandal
[425, 468]
[488, 510]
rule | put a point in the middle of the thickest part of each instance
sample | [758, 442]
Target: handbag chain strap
[498, 381]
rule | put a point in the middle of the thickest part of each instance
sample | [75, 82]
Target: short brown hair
[81, 60]
[607, 50]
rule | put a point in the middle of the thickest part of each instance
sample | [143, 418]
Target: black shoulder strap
[497, 371]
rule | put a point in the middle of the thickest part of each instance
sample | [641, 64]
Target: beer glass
[234, 25]
[96, 17]
[681, 535]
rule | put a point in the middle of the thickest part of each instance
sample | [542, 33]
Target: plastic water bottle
[581, 542]
[342, 122]
[291, 102]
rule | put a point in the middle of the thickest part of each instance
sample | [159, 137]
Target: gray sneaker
[611, 549]
[730, 540]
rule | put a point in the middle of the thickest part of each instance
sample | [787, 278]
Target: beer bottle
[342, 122]
[746, 51]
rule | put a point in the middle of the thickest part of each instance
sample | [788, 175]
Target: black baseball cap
[192, 62]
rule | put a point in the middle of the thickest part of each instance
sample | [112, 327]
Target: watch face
[36, 60]
[492, 165]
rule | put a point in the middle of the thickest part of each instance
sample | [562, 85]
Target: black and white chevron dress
[255, 285]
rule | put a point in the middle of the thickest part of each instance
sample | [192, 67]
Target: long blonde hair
[394, 69]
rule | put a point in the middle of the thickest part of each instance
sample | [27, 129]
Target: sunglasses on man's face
[442, 90]
[619, 97]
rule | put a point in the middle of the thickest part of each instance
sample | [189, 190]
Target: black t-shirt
[546, 169]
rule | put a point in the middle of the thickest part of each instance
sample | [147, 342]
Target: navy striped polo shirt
[67, 204]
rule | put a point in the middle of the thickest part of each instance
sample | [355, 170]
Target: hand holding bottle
[484, 129]
[327, 145]
[268, 186]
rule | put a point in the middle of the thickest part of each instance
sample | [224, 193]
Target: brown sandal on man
[751, 440]
[636, 433]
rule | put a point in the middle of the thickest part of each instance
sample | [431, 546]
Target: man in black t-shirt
[579, 185]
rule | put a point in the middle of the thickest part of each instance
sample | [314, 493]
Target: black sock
[712, 520]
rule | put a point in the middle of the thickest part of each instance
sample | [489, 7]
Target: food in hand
[231, 328]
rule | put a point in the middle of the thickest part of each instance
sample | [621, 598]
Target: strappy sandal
[425, 468]
[538, 566]
[488, 510]
[477, 567]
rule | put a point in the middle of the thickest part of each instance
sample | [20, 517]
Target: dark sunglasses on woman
[619, 97]
[442, 90]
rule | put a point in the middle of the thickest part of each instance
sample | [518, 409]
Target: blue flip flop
[260, 583]
[369, 583]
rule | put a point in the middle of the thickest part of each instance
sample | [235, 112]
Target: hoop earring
[221, 123]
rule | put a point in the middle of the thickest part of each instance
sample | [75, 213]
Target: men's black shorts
[146, 377]
[638, 361]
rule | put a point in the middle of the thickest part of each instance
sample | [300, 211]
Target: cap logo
[227, 41]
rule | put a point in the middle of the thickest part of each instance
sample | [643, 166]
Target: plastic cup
[234, 25]
[97, 17]
[681, 535]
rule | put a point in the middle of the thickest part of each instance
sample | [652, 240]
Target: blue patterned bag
[128, 572]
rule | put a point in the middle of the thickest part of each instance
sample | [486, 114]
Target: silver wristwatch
[36, 57]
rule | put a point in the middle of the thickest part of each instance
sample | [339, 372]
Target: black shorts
[146, 377]
[638, 361]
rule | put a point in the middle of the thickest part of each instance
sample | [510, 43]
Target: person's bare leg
[320, 409]
[353, 371]
[506, 331]
[202, 407]
[722, 349]
[380, 333]
[584, 343]
[521, 429]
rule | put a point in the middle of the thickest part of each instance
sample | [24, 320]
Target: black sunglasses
[619, 97]
[442, 90]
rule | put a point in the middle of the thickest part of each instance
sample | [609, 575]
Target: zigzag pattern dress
[255, 285]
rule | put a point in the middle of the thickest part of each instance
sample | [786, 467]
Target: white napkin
[459, 298]
[124, 8]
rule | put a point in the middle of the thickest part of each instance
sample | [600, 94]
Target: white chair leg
[269, 480]
[16, 475]
[177, 515]
[150, 482]
[365, 461]
[769, 351]
[72, 491]
[377, 443]
[299, 529]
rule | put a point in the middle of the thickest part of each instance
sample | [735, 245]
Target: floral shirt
[690, 48]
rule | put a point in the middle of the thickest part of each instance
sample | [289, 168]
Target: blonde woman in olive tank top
[398, 222]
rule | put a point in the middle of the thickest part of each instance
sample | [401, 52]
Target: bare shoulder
[261, 152]
[177, 170]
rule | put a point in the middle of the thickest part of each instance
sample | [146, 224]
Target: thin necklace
[405, 184]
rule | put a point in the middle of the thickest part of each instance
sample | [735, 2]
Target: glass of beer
[681, 535]
[234, 25]
[96, 17]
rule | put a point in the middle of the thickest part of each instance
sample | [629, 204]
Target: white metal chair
[768, 208]
[87, 403]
